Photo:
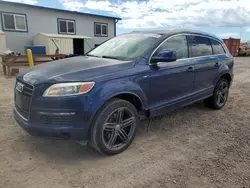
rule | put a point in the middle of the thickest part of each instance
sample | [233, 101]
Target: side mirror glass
[164, 56]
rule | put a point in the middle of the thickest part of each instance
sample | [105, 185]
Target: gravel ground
[192, 147]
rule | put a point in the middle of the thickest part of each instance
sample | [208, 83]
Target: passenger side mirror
[164, 56]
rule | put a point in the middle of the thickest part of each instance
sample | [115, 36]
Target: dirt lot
[192, 147]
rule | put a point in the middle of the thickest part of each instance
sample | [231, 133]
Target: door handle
[190, 69]
[216, 64]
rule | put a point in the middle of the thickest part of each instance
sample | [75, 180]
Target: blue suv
[100, 97]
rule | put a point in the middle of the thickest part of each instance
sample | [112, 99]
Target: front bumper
[58, 132]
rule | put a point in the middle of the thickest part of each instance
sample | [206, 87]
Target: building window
[66, 26]
[14, 22]
[101, 29]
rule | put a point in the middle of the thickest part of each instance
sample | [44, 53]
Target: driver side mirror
[164, 56]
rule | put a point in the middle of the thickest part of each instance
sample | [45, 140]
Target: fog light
[57, 114]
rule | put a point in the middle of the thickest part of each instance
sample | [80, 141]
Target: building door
[78, 46]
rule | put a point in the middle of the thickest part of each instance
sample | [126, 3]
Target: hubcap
[118, 128]
[222, 94]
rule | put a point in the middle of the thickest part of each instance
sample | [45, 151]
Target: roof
[177, 31]
[61, 10]
[64, 36]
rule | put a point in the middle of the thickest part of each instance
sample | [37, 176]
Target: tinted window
[200, 46]
[63, 27]
[104, 29]
[178, 44]
[98, 29]
[9, 22]
[71, 27]
[217, 47]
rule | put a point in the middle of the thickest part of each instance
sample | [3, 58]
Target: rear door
[205, 63]
[222, 55]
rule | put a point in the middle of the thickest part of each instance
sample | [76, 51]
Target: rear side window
[200, 46]
[217, 47]
[176, 43]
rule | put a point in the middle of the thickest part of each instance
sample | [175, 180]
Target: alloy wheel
[222, 94]
[118, 128]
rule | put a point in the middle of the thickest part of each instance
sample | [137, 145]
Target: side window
[176, 43]
[217, 47]
[200, 46]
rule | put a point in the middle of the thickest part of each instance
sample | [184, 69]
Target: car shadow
[60, 150]
[150, 125]
[73, 152]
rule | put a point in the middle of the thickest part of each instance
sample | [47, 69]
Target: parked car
[101, 97]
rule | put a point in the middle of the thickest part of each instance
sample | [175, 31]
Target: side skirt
[181, 102]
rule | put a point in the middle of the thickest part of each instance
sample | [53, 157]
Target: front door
[171, 82]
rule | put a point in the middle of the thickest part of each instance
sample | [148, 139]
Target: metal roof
[56, 9]
[52, 35]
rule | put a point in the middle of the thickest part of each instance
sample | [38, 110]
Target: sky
[224, 18]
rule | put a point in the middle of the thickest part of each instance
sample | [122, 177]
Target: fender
[113, 88]
[224, 69]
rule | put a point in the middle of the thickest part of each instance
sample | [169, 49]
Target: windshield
[125, 47]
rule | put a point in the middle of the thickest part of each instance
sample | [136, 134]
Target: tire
[220, 95]
[114, 127]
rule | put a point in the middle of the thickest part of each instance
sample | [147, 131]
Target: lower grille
[54, 119]
[22, 112]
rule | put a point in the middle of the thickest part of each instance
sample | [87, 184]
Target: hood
[81, 68]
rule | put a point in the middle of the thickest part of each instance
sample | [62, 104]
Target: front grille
[28, 90]
[23, 98]
[54, 119]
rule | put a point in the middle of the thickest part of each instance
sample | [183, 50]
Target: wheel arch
[130, 97]
[124, 89]
[227, 76]
[128, 91]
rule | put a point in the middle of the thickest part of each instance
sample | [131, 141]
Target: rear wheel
[114, 127]
[220, 95]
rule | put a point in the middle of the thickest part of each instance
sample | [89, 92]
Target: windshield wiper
[92, 55]
[109, 57]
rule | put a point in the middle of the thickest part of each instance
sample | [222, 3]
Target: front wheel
[220, 95]
[114, 127]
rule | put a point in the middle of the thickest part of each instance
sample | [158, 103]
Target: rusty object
[233, 46]
[244, 50]
[14, 71]
[9, 61]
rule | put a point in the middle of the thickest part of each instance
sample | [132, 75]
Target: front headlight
[68, 89]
